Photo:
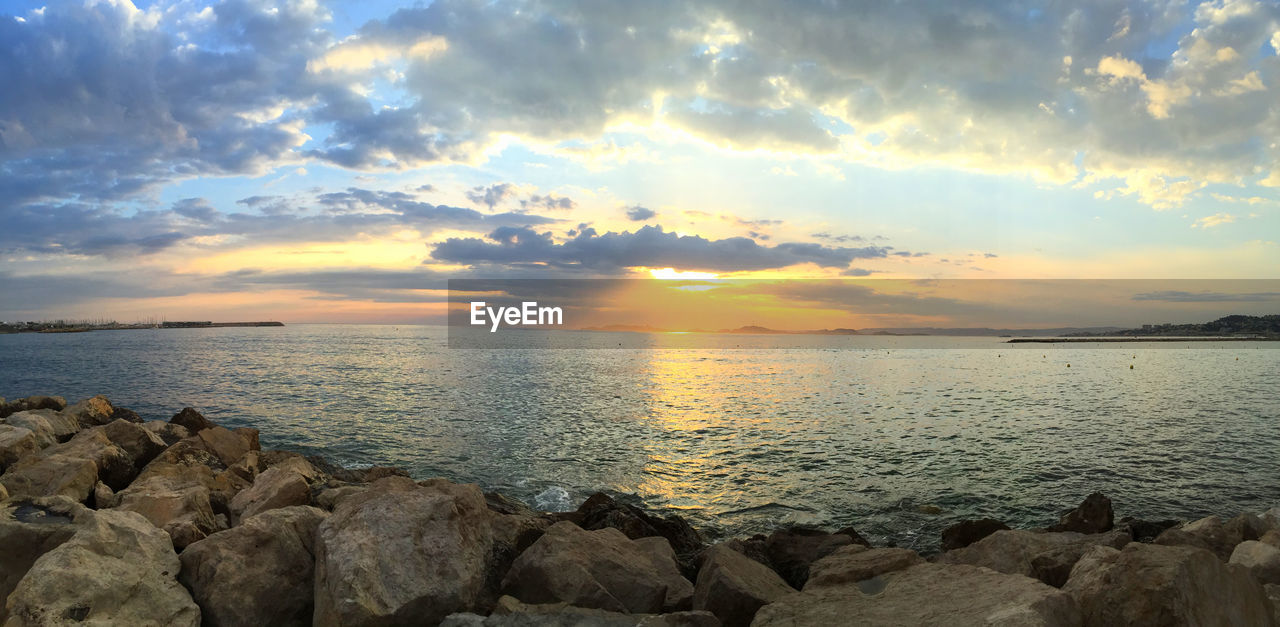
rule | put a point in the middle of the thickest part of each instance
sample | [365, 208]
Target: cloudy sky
[314, 161]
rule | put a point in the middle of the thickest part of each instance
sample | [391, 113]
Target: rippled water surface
[897, 441]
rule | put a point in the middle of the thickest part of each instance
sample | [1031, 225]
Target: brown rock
[734, 587]
[1046, 556]
[854, 563]
[139, 444]
[250, 437]
[1263, 560]
[175, 498]
[967, 532]
[53, 475]
[39, 424]
[259, 573]
[510, 612]
[402, 554]
[1093, 515]
[29, 530]
[192, 420]
[600, 569]
[168, 432]
[228, 446]
[792, 550]
[91, 412]
[1207, 533]
[601, 511]
[1152, 584]
[277, 487]
[928, 594]
[103, 497]
[15, 443]
[663, 559]
[128, 415]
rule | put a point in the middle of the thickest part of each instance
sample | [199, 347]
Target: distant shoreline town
[81, 326]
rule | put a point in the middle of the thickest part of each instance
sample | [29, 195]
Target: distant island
[1228, 326]
[903, 331]
[81, 326]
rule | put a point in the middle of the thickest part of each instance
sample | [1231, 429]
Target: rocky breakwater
[108, 519]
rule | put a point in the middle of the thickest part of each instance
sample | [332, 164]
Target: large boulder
[600, 511]
[276, 487]
[792, 550]
[967, 532]
[177, 499]
[600, 569]
[663, 559]
[854, 563]
[1146, 530]
[53, 403]
[1093, 515]
[1262, 559]
[139, 444]
[226, 444]
[116, 569]
[29, 529]
[1273, 594]
[1046, 556]
[1208, 533]
[51, 475]
[192, 420]
[1152, 584]
[91, 412]
[37, 423]
[15, 443]
[168, 432]
[259, 573]
[402, 554]
[734, 587]
[927, 594]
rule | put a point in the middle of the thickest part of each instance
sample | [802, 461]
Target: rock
[733, 587]
[293, 461]
[1093, 515]
[53, 475]
[15, 443]
[400, 553]
[1245, 527]
[792, 550]
[228, 446]
[168, 432]
[663, 559]
[103, 497]
[277, 487]
[127, 415]
[329, 498]
[1046, 556]
[502, 504]
[250, 437]
[191, 451]
[191, 420]
[510, 612]
[1273, 594]
[259, 573]
[1146, 530]
[967, 532]
[1152, 584]
[927, 594]
[248, 468]
[175, 498]
[600, 569]
[29, 530]
[141, 445]
[1271, 537]
[91, 412]
[54, 403]
[1263, 560]
[4, 493]
[601, 511]
[37, 422]
[1207, 533]
[854, 563]
[116, 569]
[115, 465]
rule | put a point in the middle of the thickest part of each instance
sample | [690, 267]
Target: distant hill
[1261, 326]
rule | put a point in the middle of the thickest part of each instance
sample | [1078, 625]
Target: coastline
[218, 530]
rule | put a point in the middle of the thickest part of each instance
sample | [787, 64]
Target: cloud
[649, 246]
[492, 195]
[1216, 219]
[640, 214]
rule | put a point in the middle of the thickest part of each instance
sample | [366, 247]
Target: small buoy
[1068, 365]
[1131, 366]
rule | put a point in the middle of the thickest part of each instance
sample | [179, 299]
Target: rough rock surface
[510, 612]
[29, 530]
[51, 475]
[116, 569]
[1263, 560]
[192, 420]
[400, 553]
[601, 569]
[601, 511]
[224, 443]
[734, 587]
[663, 559]
[91, 412]
[967, 532]
[1093, 515]
[175, 498]
[1208, 533]
[15, 443]
[792, 550]
[1151, 584]
[168, 432]
[928, 594]
[37, 422]
[279, 486]
[259, 573]
[854, 563]
[1046, 556]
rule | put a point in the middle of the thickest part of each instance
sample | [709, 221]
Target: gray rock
[259, 573]
[51, 475]
[192, 420]
[40, 424]
[1273, 594]
[792, 550]
[1152, 584]
[116, 569]
[1208, 533]
[1271, 537]
[734, 587]
[329, 498]
[967, 532]
[601, 569]
[663, 559]
[928, 594]
[15, 443]
[854, 563]
[175, 498]
[29, 530]
[1046, 556]
[402, 554]
[1093, 515]
[512, 613]
[168, 432]
[226, 444]
[1263, 560]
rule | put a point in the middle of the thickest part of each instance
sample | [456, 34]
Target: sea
[898, 437]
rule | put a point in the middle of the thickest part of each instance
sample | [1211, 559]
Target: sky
[311, 161]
